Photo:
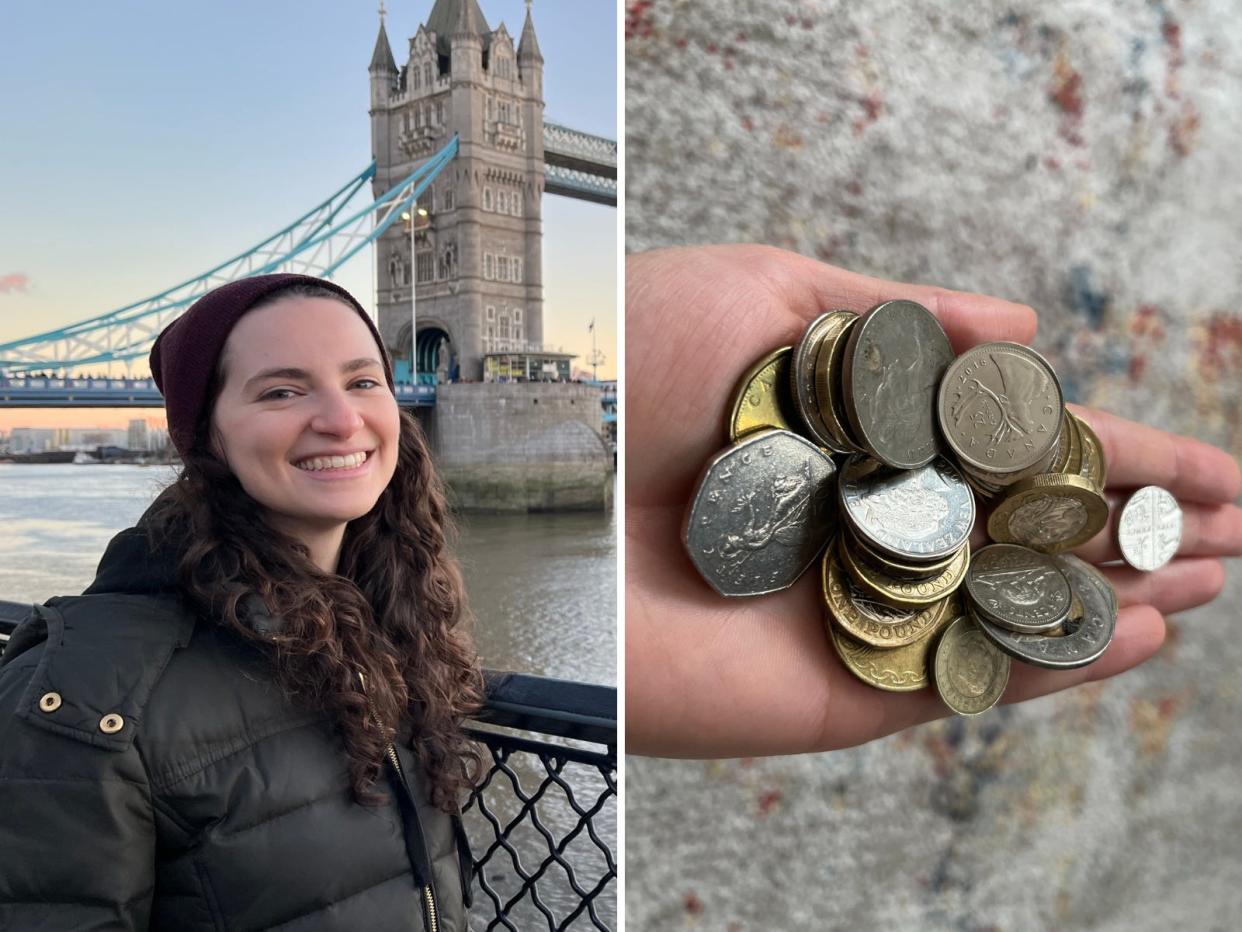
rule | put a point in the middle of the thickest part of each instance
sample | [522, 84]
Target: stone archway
[435, 355]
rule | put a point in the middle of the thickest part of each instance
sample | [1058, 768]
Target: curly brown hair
[385, 637]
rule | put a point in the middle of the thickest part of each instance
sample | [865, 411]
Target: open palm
[708, 676]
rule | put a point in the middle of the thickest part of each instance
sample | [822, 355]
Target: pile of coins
[866, 447]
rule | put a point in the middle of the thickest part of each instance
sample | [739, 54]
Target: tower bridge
[462, 157]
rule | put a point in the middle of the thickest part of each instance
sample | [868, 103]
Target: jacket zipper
[429, 896]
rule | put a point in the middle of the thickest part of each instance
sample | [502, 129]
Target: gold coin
[893, 567]
[1061, 460]
[828, 385]
[1094, 464]
[1073, 463]
[1050, 513]
[761, 399]
[970, 671]
[868, 620]
[906, 593]
[899, 669]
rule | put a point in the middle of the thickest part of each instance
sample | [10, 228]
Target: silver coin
[895, 358]
[802, 375]
[1000, 408]
[1150, 529]
[1081, 645]
[1017, 588]
[762, 512]
[917, 515]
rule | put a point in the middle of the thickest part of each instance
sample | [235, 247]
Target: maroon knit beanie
[186, 353]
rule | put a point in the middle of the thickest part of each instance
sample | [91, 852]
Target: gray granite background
[1081, 157]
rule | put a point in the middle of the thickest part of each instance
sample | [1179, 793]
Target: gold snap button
[111, 723]
[50, 702]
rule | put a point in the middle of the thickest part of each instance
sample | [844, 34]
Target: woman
[250, 720]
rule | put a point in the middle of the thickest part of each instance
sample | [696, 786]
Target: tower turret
[530, 59]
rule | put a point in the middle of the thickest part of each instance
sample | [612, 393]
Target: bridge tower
[477, 253]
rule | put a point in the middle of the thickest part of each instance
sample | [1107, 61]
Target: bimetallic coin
[828, 386]
[1081, 645]
[1150, 529]
[761, 513]
[890, 566]
[1062, 456]
[922, 514]
[893, 362]
[970, 673]
[1094, 463]
[906, 593]
[899, 669]
[1017, 588]
[802, 375]
[1073, 462]
[1000, 408]
[762, 400]
[869, 620]
[1050, 513]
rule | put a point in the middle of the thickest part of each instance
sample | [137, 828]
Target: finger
[1183, 584]
[1139, 455]
[1207, 531]
[1140, 632]
[810, 288]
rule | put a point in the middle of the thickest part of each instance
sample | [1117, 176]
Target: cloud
[14, 281]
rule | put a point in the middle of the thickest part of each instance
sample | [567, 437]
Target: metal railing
[542, 820]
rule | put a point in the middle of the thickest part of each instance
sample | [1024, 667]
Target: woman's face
[305, 418]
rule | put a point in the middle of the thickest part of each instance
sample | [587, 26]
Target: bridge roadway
[47, 392]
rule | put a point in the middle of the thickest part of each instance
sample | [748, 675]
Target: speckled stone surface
[1080, 157]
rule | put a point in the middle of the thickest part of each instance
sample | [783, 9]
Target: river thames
[543, 588]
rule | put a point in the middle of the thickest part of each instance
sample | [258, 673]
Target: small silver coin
[1080, 646]
[918, 515]
[802, 376]
[1150, 529]
[894, 361]
[1000, 407]
[762, 512]
[1017, 588]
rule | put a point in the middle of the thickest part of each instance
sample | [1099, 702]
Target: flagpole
[594, 355]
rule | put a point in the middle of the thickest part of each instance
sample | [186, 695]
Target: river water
[543, 588]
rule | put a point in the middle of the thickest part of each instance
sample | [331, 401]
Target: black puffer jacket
[152, 776]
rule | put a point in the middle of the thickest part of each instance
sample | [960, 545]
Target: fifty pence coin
[893, 362]
[969, 672]
[1000, 407]
[802, 375]
[761, 513]
[1017, 588]
[922, 514]
[1085, 642]
[1150, 529]
[762, 400]
[1050, 513]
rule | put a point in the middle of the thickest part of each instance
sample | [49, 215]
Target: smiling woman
[253, 714]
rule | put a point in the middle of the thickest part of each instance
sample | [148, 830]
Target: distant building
[137, 435]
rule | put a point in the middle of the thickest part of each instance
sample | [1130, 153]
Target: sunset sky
[142, 143]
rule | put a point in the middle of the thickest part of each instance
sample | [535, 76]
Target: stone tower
[477, 262]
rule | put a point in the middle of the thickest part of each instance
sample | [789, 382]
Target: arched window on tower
[440, 112]
[427, 73]
[418, 83]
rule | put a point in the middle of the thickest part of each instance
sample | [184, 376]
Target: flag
[591, 325]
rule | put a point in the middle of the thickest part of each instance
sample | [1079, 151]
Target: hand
[713, 677]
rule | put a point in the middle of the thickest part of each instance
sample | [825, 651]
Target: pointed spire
[470, 21]
[381, 58]
[528, 47]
